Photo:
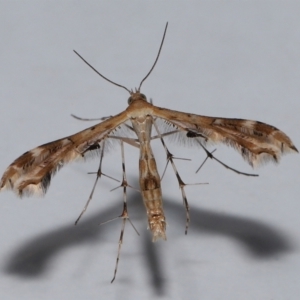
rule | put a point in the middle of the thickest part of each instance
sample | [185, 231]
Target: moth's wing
[31, 172]
[257, 142]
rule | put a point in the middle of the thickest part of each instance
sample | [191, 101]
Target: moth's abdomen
[149, 178]
[152, 196]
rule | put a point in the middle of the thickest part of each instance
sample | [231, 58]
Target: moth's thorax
[142, 126]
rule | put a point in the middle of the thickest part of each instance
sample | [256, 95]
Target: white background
[220, 58]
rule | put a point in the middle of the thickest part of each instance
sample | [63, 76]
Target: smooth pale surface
[223, 58]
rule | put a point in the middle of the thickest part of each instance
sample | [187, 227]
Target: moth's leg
[90, 119]
[182, 185]
[161, 135]
[135, 142]
[129, 141]
[210, 155]
[164, 134]
[98, 175]
[124, 215]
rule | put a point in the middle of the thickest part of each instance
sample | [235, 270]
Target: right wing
[257, 142]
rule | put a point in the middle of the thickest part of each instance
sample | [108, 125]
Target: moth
[257, 142]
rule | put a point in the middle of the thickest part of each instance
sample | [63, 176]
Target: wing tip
[294, 148]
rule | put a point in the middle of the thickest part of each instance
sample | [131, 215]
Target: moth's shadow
[260, 239]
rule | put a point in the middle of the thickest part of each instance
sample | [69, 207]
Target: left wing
[255, 141]
[31, 173]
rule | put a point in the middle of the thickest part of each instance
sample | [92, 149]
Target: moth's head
[136, 96]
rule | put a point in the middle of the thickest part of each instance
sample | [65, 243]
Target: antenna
[122, 86]
[161, 44]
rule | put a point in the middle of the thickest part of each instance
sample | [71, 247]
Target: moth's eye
[143, 96]
[129, 100]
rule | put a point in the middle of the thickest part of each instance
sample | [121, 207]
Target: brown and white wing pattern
[257, 142]
[31, 173]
